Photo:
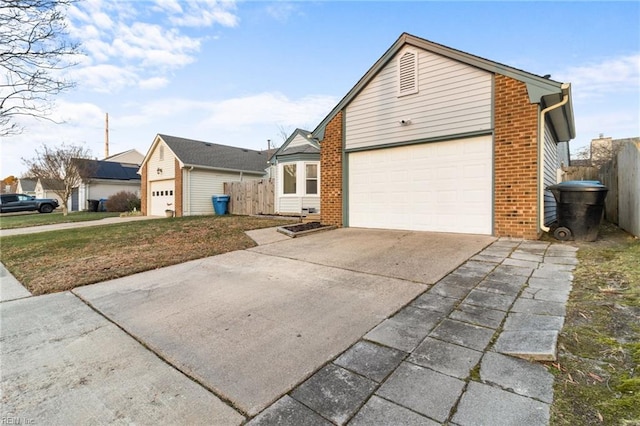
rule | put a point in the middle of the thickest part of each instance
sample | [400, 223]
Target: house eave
[221, 169]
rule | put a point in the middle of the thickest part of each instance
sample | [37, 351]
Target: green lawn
[11, 221]
[61, 260]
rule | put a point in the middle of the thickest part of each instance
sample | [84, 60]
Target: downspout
[541, 128]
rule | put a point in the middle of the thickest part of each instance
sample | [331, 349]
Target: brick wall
[177, 192]
[143, 190]
[515, 160]
[331, 173]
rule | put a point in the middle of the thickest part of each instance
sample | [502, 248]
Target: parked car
[25, 203]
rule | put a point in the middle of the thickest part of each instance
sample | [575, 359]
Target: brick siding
[143, 190]
[331, 173]
[515, 160]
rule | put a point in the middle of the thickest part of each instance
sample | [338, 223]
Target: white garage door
[441, 186]
[161, 196]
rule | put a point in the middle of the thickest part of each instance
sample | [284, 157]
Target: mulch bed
[304, 227]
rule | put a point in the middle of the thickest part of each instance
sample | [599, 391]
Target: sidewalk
[58, 226]
[455, 354]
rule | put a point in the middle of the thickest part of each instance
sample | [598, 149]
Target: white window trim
[415, 88]
[301, 179]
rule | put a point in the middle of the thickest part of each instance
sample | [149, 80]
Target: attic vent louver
[408, 73]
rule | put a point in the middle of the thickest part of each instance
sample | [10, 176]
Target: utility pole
[106, 136]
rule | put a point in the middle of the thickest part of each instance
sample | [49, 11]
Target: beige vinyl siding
[98, 190]
[294, 205]
[298, 141]
[200, 185]
[550, 174]
[167, 164]
[453, 98]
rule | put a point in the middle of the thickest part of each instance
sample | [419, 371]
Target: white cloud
[153, 83]
[104, 78]
[281, 11]
[205, 13]
[613, 75]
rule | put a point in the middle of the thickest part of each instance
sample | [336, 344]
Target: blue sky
[239, 73]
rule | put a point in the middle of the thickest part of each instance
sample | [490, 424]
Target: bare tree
[61, 169]
[34, 48]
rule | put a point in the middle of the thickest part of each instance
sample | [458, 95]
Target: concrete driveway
[248, 325]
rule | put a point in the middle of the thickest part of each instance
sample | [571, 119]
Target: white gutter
[541, 127]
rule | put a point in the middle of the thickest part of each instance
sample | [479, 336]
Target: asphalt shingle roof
[198, 153]
[111, 170]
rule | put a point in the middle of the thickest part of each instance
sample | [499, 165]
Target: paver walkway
[455, 354]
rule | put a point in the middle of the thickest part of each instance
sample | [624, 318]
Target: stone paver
[415, 387]
[335, 393]
[371, 360]
[406, 329]
[483, 405]
[535, 345]
[381, 412]
[463, 334]
[288, 412]
[478, 315]
[447, 358]
[517, 375]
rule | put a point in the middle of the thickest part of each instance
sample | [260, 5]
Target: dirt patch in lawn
[61, 260]
[598, 373]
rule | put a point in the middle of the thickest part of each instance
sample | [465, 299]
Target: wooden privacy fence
[580, 173]
[251, 197]
[622, 176]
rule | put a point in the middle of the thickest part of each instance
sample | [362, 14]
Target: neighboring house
[131, 156]
[26, 186]
[183, 174]
[43, 190]
[436, 139]
[104, 179]
[297, 174]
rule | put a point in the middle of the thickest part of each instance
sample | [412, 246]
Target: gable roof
[311, 146]
[540, 89]
[100, 169]
[196, 153]
[28, 184]
[132, 154]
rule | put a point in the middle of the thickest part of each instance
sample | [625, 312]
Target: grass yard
[61, 260]
[25, 220]
[598, 369]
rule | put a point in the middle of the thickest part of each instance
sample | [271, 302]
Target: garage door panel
[162, 197]
[444, 187]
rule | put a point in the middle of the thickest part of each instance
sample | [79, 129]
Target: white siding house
[183, 175]
[297, 174]
[104, 179]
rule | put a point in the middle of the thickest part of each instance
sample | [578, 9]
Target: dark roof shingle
[199, 153]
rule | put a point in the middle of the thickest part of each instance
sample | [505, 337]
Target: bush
[123, 201]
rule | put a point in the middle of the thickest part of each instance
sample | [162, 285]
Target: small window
[153, 193]
[408, 73]
[289, 179]
[311, 179]
[161, 152]
[171, 192]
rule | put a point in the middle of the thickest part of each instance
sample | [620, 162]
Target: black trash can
[93, 205]
[579, 209]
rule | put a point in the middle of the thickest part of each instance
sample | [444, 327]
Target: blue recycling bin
[220, 203]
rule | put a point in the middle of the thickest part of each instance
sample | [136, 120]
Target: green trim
[422, 141]
[298, 157]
